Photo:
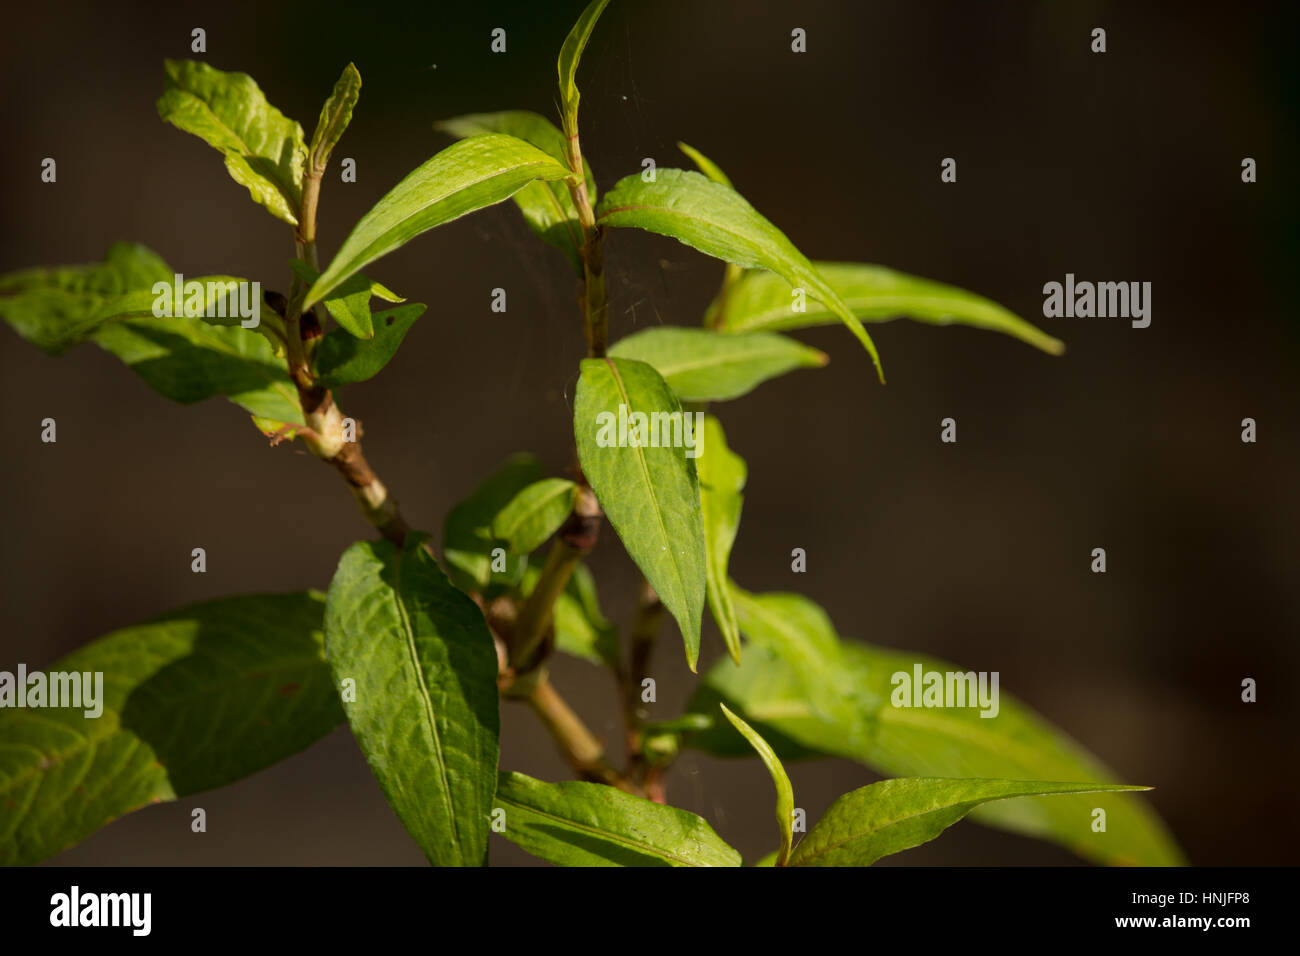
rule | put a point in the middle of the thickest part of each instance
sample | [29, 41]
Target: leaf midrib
[246, 148]
[87, 741]
[804, 271]
[409, 634]
[767, 317]
[650, 487]
[1025, 756]
[567, 489]
[496, 174]
[609, 835]
[893, 822]
[969, 805]
[759, 351]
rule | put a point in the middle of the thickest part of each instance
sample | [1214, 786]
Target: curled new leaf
[335, 116]
[784, 792]
[264, 149]
[469, 175]
[570, 55]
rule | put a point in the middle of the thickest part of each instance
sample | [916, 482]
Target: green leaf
[784, 792]
[547, 207]
[188, 360]
[335, 116]
[717, 220]
[277, 431]
[192, 700]
[590, 824]
[874, 821]
[536, 513]
[703, 366]
[349, 303]
[799, 632]
[56, 308]
[722, 477]
[705, 165]
[581, 629]
[570, 55]
[466, 176]
[711, 169]
[788, 685]
[764, 688]
[342, 358]
[425, 708]
[264, 150]
[467, 539]
[762, 301]
[1016, 744]
[215, 300]
[650, 494]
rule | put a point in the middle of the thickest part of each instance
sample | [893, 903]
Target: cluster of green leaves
[399, 647]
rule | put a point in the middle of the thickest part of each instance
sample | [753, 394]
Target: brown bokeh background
[1122, 166]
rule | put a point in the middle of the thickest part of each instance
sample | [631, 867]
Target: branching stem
[324, 436]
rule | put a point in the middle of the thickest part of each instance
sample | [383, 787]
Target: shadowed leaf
[192, 700]
[424, 707]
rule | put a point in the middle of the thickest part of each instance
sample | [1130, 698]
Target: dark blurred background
[1122, 166]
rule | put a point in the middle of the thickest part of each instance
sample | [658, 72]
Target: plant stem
[324, 438]
[578, 535]
[595, 304]
[645, 629]
[583, 751]
[573, 542]
[324, 420]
